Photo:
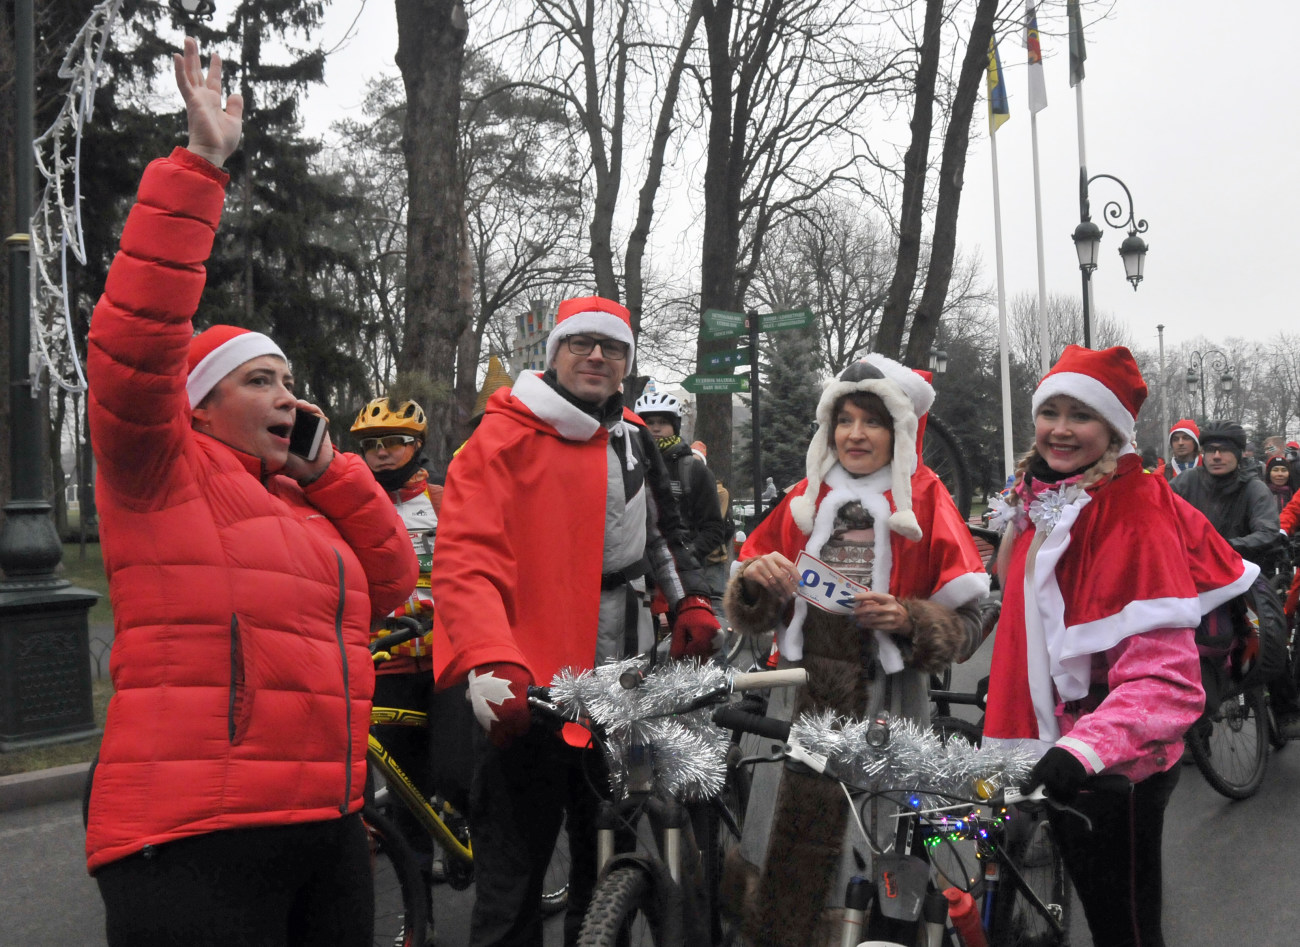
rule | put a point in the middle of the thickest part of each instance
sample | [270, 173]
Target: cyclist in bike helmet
[390, 434]
[693, 487]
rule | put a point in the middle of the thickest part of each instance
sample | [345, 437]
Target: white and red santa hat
[218, 351]
[596, 315]
[907, 396]
[1186, 426]
[1106, 380]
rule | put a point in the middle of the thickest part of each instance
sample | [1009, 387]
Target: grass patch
[60, 754]
[88, 573]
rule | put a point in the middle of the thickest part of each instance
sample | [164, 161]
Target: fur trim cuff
[938, 635]
[750, 618]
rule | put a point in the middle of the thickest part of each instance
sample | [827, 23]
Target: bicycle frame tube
[411, 797]
[398, 717]
[1010, 872]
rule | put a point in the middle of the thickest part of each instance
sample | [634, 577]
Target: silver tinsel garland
[688, 751]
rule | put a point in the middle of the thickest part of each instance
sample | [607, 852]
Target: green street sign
[789, 319]
[723, 361]
[720, 324]
[715, 384]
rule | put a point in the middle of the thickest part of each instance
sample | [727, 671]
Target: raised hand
[214, 130]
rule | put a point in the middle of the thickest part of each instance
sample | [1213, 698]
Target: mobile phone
[307, 434]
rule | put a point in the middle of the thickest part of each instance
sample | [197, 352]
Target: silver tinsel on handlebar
[688, 751]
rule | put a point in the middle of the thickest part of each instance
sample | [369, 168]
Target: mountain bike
[402, 896]
[645, 718]
[971, 861]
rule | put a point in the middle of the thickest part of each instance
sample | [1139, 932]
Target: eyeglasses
[387, 442]
[1218, 449]
[611, 349]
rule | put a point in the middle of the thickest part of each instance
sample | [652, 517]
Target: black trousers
[1116, 868]
[279, 886]
[519, 797]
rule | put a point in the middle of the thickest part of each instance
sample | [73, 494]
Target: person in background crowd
[225, 805]
[1278, 474]
[1250, 464]
[871, 511]
[390, 434]
[1292, 454]
[1152, 463]
[555, 511]
[1239, 506]
[716, 564]
[1185, 447]
[1095, 664]
[694, 489]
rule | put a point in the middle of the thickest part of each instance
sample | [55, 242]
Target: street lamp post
[1087, 242]
[1216, 361]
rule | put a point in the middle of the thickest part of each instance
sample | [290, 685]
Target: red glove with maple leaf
[694, 628]
[498, 693]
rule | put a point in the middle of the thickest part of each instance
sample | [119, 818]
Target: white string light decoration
[56, 224]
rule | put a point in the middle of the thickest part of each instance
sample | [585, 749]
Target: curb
[57, 784]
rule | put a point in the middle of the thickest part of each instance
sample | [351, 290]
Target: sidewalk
[42, 786]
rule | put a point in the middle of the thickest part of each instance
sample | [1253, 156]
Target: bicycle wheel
[1017, 921]
[401, 908]
[623, 912]
[555, 887]
[942, 453]
[1230, 744]
[718, 826]
[949, 728]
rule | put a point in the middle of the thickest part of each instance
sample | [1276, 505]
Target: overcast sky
[1192, 103]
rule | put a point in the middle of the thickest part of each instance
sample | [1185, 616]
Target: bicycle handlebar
[733, 718]
[410, 629]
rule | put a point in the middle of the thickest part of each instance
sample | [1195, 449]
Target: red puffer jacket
[241, 600]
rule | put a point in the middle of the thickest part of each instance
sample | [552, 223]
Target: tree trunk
[925, 324]
[430, 54]
[889, 338]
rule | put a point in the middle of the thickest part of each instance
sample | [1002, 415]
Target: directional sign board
[723, 361]
[720, 324]
[788, 319]
[715, 384]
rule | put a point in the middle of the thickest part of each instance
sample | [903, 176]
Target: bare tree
[430, 52]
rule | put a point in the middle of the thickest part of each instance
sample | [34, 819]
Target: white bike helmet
[658, 403]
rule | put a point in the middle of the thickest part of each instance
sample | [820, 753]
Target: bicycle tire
[942, 453]
[1017, 922]
[718, 830]
[622, 913]
[401, 906]
[947, 727]
[555, 886]
[1231, 746]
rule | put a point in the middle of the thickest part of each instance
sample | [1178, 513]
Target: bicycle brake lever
[1012, 796]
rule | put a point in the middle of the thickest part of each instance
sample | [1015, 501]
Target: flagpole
[1044, 343]
[1004, 345]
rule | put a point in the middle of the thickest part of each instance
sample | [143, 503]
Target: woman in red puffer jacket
[224, 806]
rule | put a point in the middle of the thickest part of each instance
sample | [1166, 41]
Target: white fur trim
[1091, 392]
[549, 405]
[224, 359]
[1088, 753]
[596, 321]
[1211, 600]
[967, 587]
[870, 492]
[1188, 431]
[906, 396]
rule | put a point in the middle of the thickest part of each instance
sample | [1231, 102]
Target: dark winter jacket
[697, 499]
[1238, 505]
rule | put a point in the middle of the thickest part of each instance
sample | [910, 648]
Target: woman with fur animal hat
[870, 511]
[1105, 577]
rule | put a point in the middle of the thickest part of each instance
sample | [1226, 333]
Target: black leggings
[1116, 868]
[279, 886]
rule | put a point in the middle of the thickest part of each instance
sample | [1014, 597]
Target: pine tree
[791, 373]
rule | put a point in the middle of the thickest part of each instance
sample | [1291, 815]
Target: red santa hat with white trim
[907, 396]
[218, 351]
[596, 315]
[1186, 426]
[1106, 380]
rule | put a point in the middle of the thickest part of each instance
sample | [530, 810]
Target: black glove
[1060, 772]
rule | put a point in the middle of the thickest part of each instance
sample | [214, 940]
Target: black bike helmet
[1224, 431]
